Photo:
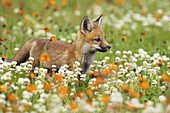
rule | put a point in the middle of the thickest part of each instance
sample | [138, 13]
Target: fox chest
[86, 61]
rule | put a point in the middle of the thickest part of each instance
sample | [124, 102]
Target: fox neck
[86, 56]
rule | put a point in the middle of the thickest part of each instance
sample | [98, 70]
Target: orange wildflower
[165, 78]
[4, 57]
[140, 79]
[143, 12]
[35, 14]
[63, 91]
[142, 93]
[51, 2]
[58, 78]
[124, 38]
[131, 106]
[53, 38]
[112, 9]
[57, 7]
[42, 58]
[112, 67]
[15, 108]
[48, 59]
[13, 97]
[105, 98]
[27, 107]
[46, 6]
[26, 20]
[73, 105]
[22, 13]
[131, 90]
[1, 39]
[96, 73]
[48, 87]
[8, 3]
[76, 6]
[135, 95]
[143, 33]
[111, 90]
[125, 87]
[65, 2]
[21, 5]
[156, 18]
[92, 10]
[91, 73]
[8, 32]
[104, 72]
[89, 92]
[32, 88]
[46, 29]
[100, 80]
[119, 2]
[89, 103]
[144, 84]
[3, 88]
[4, 25]
[32, 75]
[161, 15]
[45, 54]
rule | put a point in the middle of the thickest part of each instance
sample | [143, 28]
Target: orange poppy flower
[89, 92]
[3, 88]
[92, 10]
[131, 90]
[12, 97]
[125, 87]
[35, 14]
[135, 95]
[46, 29]
[4, 57]
[112, 9]
[58, 78]
[144, 84]
[89, 103]
[48, 87]
[27, 107]
[96, 73]
[53, 38]
[76, 6]
[63, 91]
[65, 2]
[124, 38]
[100, 80]
[15, 108]
[22, 13]
[48, 59]
[131, 106]
[165, 78]
[26, 20]
[140, 79]
[57, 7]
[21, 5]
[1, 39]
[51, 2]
[42, 58]
[105, 98]
[8, 3]
[46, 6]
[32, 75]
[143, 12]
[104, 72]
[32, 88]
[8, 32]
[73, 105]
[112, 67]
[119, 2]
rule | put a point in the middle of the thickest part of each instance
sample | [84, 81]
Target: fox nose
[109, 47]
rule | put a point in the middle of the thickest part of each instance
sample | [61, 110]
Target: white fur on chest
[88, 57]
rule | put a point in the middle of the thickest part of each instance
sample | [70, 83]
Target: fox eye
[97, 39]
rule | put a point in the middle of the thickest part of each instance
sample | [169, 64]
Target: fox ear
[99, 21]
[86, 25]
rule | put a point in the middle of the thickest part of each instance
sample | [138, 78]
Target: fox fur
[90, 39]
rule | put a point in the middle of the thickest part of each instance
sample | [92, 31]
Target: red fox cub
[90, 39]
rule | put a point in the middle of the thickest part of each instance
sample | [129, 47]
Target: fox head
[92, 35]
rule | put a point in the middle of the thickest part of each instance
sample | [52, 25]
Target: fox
[91, 38]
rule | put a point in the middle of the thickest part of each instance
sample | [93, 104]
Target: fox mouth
[102, 50]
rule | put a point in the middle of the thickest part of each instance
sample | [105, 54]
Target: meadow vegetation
[133, 76]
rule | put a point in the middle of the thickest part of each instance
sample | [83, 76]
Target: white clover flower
[118, 53]
[2, 96]
[14, 63]
[31, 58]
[162, 98]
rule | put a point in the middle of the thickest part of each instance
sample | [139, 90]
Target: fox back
[90, 39]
